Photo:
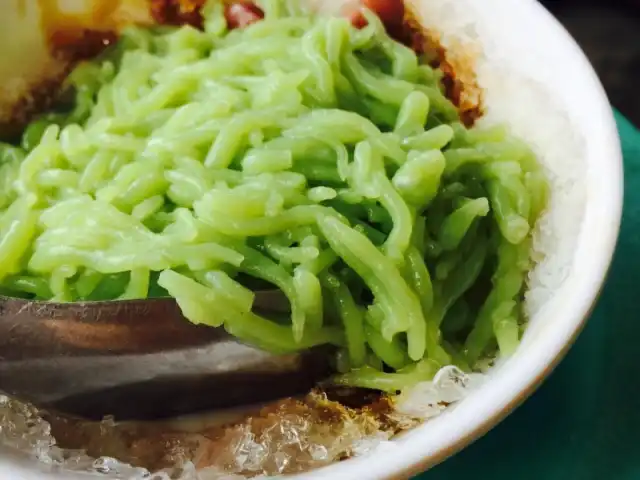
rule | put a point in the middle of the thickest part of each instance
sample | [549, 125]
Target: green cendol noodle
[298, 152]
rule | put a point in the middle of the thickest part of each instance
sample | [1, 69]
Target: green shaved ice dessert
[298, 153]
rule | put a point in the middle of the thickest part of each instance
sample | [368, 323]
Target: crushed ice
[287, 440]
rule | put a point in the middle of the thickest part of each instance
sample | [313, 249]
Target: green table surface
[584, 422]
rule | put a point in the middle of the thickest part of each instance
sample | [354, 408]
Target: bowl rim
[412, 460]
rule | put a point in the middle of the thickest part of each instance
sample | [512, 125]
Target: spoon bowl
[141, 359]
[36, 329]
[43, 329]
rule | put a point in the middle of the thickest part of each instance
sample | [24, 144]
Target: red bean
[241, 14]
[391, 12]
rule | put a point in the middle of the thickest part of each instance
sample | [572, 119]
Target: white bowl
[531, 62]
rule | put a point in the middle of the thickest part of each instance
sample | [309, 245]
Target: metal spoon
[140, 359]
